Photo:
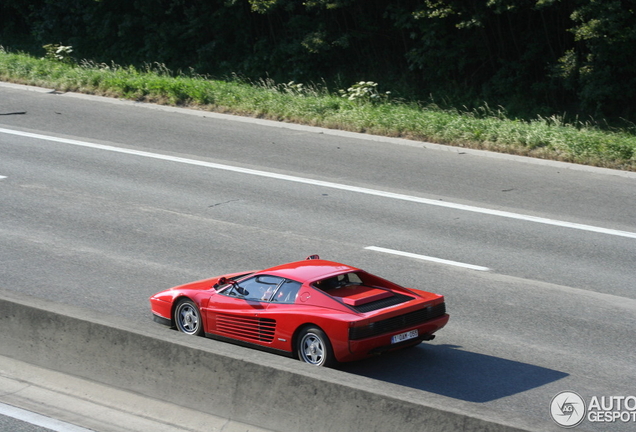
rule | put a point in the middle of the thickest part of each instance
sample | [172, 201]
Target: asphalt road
[13, 425]
[32, 422]
[104, 203]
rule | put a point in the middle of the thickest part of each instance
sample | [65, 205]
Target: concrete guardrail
[239, 384]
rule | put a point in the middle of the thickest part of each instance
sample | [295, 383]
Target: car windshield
[264, 288]
[260, 287]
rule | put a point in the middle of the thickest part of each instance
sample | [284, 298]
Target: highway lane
[105, 230]
[11, 424]
[18, 420]
[453, 175]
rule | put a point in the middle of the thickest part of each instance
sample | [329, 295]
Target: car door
[236, 312]
[283, 310]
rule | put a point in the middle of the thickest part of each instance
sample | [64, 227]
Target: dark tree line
[534, 55]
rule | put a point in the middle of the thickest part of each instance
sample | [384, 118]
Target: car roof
[309, 270]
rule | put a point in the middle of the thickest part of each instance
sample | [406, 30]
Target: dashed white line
[427, 258]
[375, 192]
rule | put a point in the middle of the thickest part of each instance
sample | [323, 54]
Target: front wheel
[314, 347]
[188, 318]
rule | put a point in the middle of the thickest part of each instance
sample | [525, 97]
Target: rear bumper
[363, 348]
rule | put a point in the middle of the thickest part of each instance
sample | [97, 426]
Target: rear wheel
[188, 318]
[314, 347]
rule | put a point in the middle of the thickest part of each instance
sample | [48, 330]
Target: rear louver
[398, 322]
[252, 328]
[382, 303]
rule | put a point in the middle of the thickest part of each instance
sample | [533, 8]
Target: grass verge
[360, 109]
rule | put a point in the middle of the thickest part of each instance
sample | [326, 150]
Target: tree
[601, 66]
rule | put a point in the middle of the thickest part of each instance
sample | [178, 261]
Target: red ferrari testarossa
[319, 311]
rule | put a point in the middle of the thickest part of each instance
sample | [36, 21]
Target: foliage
[601, 67]
[59, 53]
[364, 91]
[531, 56]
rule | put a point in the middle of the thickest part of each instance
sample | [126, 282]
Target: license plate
[404, 336]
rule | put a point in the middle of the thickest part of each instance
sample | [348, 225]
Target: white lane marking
[331, 185]
[39, 420]
[427, 258]
[3, 177]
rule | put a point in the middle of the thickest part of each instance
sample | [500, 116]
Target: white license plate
[404, 336]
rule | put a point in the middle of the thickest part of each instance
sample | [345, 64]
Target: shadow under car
[449, 371]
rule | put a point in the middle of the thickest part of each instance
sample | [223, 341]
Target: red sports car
[321, 312]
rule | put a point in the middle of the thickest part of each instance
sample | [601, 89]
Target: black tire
[187, 318]
[313, 347]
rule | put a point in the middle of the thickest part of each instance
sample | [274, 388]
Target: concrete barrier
[239, 384]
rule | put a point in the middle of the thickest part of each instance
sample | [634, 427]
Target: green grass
[548, 138]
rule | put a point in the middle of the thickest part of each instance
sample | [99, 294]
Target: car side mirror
[222, 281]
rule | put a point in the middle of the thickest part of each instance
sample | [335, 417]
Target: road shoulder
[99, 407]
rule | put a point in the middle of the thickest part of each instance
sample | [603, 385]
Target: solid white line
[331, 185]
[3, 177]
[427, 258]
[39, 420]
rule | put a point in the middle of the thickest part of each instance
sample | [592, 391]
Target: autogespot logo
[567, 409]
